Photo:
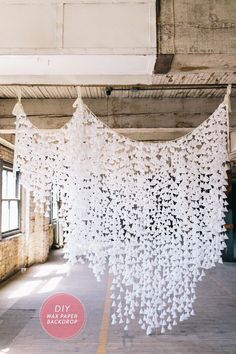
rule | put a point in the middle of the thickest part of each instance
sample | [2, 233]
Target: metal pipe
[164, 87]
[134, 87]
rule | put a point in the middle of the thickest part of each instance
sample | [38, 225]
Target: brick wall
[6, 154]
[32, 244]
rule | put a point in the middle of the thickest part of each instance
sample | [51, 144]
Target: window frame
[16, 231]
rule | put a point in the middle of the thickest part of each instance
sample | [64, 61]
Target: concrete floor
[212, 330]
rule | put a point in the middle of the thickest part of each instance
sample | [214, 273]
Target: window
[10, 201]
[55, 204]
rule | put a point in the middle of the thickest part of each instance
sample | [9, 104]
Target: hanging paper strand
[228, 108]
[153, 212]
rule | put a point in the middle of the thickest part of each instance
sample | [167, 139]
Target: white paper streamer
[153, 212]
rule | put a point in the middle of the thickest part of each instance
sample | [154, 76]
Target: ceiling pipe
[133, 87]
[164, 87]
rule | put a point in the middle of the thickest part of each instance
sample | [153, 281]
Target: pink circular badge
[62, 316]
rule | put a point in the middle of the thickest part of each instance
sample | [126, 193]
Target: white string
[19, 94]
[78, 102]
[18, 109]
[227, 103]
[227, 98]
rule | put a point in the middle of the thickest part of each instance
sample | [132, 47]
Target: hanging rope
[227, 103]
[18, 108]
[78, 102]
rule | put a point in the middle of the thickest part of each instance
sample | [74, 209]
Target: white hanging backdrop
[153, 212]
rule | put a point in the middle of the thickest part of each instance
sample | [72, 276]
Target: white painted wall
[78, 27]
[80, 39]
[83, 65]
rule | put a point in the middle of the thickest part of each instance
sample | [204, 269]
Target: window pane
[11, 190]
[10, 207]
[8, 184]
[11, 185]
[14, 213]
[54, 204]
[4, 184]
[5, 216]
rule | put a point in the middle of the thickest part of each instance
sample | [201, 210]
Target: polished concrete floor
[212, 330]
